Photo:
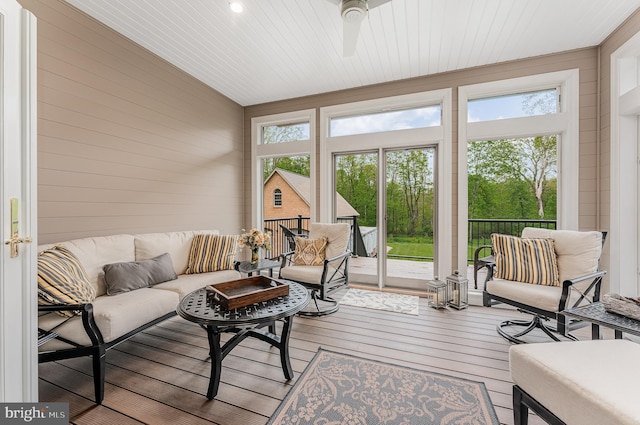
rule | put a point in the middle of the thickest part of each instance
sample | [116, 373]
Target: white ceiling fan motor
[353, 10]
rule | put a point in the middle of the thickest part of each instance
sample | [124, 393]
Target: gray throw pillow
[125, 277]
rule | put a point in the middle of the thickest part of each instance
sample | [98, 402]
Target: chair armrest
[286, 258]
[476, 253]
[596, 282]
[337, 257]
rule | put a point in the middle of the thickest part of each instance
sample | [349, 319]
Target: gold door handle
[13, 244]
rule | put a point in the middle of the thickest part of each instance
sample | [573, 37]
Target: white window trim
[565, 123]
[623, 221]
[439, 136]
[287, 149]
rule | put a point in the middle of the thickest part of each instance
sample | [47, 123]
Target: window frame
[439, 136]
[277, 198]
[564, 123]
[285, 149]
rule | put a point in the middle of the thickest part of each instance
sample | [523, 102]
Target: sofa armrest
[88, 321]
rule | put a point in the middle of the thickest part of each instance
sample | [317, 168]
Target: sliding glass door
[388, 196]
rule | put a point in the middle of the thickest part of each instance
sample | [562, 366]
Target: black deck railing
[480, 230]
[298, 225]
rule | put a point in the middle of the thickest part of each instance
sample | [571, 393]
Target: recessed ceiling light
[235, 6]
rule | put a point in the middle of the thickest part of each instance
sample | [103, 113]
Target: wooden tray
[243, 292]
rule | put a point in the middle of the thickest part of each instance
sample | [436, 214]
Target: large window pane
[513, 105]
[512, 184]
[427, 116]
[286, 198]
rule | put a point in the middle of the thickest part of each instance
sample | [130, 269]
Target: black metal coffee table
[244, 322]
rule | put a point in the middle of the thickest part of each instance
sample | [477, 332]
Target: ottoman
[577, 382]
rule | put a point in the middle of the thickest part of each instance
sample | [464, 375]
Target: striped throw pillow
[211, 253]
[310, 252]
[525, 260]
[62, 280]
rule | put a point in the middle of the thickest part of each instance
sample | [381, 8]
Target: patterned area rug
[342, 389]
[377, 300]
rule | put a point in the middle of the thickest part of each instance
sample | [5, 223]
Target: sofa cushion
[525, 260]
[94, 253]
[115, 316]
[310, 252]
[177, 244]
[581, 382]
[210, 253]
[187, 283]
[578, 253]
[129, 276]
[62, 279]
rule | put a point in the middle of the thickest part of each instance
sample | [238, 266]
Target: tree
[411, 172]
[532, 160]
[280, 134]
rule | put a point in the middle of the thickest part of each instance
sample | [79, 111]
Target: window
[539, 102]
[282, 133]
[370, 151]
[518, 153]
[282, 160]
[277, 198]
[426, 116]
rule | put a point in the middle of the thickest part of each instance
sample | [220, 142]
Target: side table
[250, 268]
[244, 322]
[598, 316]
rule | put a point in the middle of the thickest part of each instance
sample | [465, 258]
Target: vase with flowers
[255, 239]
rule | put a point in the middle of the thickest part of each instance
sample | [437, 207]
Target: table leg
[284, 348]
[595, 331]
[216, 361]
[617, 334]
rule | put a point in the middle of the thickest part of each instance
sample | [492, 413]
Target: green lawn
[410, 247]
[421, 247]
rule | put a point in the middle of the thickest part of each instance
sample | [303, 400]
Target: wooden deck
[160, 376]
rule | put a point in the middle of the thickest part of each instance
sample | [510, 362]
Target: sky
[491, 108]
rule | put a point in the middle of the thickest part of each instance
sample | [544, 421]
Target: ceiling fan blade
[350, 34]
[375, 3]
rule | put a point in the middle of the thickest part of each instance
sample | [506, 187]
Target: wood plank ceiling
[281, 49]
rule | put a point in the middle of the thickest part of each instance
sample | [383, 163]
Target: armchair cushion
[310, 252]
[210, 253]
[62, 279]
[578, 253]
[305, 274]
[337, 235]
[525, 260]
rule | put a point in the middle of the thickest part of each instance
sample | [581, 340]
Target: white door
[18, 308]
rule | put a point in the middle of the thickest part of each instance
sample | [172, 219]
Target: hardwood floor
[160, 376]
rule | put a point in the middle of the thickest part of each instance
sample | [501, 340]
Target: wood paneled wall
[584, 59]
[127, 143]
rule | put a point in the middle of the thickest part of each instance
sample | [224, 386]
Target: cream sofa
[111, 319]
